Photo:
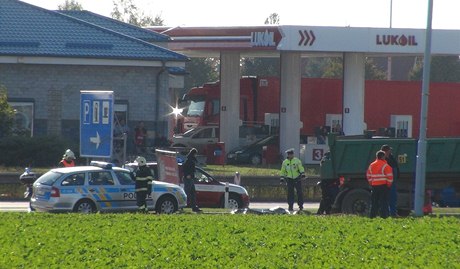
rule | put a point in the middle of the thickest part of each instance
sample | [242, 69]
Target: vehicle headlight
[231, 155]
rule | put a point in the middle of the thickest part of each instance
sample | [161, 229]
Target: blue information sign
[96, 123]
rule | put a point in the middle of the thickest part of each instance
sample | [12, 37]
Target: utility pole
[389, 61]
[420, 169]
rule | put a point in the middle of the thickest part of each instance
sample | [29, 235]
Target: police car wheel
[166, 205]
[85, 207]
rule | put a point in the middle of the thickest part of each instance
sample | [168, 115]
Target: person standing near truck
[380, 177]
[292, 172]
[393, 199]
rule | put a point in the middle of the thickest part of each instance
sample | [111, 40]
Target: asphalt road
[23, 206]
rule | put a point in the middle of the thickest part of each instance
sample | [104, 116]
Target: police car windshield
[49, 178]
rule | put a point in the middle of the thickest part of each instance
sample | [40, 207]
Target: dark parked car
[252, 153]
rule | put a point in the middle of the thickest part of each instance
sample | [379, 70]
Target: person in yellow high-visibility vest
[292, 172]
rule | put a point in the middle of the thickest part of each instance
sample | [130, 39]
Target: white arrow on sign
[96, 139]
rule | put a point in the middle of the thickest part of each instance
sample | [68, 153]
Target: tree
[322, 67]
[443, 69]
[6, 113]
[332, 67]
[70, 5]
[127, 11]
[202, 70]
[262, 66]
[274, 18]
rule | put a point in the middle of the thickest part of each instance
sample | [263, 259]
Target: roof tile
[28, 30]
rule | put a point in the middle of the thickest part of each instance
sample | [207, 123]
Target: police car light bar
[104, 165]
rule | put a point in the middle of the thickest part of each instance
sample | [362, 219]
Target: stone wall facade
[55, 92]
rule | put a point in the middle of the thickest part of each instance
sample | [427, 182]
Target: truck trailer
[349, 157]
[389, 105]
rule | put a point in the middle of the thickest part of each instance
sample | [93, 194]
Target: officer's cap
[290, 151]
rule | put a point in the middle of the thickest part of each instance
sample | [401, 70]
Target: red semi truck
[388, 105]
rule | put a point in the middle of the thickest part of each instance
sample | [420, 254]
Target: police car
[209, 191]
[99, 187]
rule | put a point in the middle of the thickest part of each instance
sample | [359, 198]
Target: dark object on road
[272, 211]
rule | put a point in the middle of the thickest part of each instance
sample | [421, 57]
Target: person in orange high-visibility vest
[380, 177]
[68, 159]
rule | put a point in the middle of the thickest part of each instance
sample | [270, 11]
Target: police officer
[143, 184]
[67, 159]
[189, 176]
[380, 177]
[329, 190]
[292, 172]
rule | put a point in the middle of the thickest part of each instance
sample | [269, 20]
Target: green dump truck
[350, 156]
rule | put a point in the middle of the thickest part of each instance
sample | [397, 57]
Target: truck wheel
[85, 207]
[356, 201]
[404, 212]
[255, 159]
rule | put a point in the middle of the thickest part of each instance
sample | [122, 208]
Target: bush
[44, 151]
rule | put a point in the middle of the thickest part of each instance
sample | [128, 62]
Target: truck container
[350, 156]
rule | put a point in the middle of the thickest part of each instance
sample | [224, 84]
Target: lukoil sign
[396, 40]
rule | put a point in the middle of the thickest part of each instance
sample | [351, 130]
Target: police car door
[127, 190]
[103, 190]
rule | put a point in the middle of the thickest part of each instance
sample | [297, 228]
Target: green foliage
[6, 113]
[32, 151]
[273, 19]
[226, 241]
[127, 11]
[261, 67]
[70, 5]
[259, 170]
[443, 69]
[332, 67]
[202, 70]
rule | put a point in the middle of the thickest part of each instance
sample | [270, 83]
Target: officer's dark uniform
[329, 190]
[189, 176]
[143, 187]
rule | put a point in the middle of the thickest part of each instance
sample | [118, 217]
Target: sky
[353, 13]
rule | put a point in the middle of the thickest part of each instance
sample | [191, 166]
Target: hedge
[43, 151]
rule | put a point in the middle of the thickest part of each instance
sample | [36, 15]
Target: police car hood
[165, 184]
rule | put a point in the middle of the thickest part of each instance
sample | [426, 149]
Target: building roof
[27, 30]
[116, 25]
[179, 71]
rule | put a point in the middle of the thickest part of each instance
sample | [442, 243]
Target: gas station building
[291, 43]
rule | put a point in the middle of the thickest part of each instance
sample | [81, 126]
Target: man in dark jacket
[393, 200]
[189, 176]
[143, 184]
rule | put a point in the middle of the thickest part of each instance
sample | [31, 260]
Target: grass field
[226, 241]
